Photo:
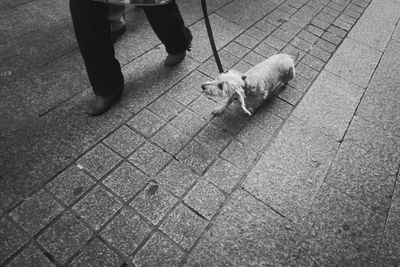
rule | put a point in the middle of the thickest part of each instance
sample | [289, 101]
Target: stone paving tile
[35, 212]
[381, 101]
[124, 141]
[146, 78]
[154, 202]
[248, 15]
[223, 28]
[97, 254]
[98, 161]
[239, 155]
[146, 123]
[56, 9]
[366, 164]
[227, 59]
[158, 251]
[21, 20]
[150, 158]
[246, 232]
[31, 256]
[237, 49]
[292, 169]
[126, 231]
[70, 185]
[213, 137]
[177, 178]
[197, 156]
[171, 139]
[125, 181]
[290, 95]
[329, 104]
[224, 175]
[183, 226]
[247, 41]
[389, 252]
[188, 89]
[165, 107]
[255, 137]
[354, 62]
[11, 239]
[377, 24]
[97, 207]
[205, 198]
[203, 106]
[65, 237]
[232, 120]
[338, 230]
[189, 122]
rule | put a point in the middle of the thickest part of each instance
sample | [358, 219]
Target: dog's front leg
[224, 105]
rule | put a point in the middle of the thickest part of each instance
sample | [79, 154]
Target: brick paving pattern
[311, 179]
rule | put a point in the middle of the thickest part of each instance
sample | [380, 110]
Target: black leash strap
[210, 36]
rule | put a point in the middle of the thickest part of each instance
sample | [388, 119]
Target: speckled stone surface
[97, 254]
[11, 238]
[97, 207]
[124, 141]
[197, 156]
[292, 169]
[213, 137]
[338, 230]
[183, 226]
[126, 231]
[125, 181]
[70, 185]
[246, 232]
[177, 178]
[150, 158]
[171, 139]
[188, 89]
[146, 123]
[224, 175]
[31, 256]
[189, 122]
[377, 24]
[205, 198]
[159, 250]
[98, 161]
[366, 164]
[354, 62]
[154, 202]
[65, 237]
[329, 105]
[239, 155]
[36, 212]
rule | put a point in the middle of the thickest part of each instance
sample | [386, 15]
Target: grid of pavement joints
[180, 167]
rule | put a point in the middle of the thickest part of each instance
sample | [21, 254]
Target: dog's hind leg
[243, 104]
[218, 110]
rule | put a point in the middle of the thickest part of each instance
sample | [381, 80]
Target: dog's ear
[244, 77]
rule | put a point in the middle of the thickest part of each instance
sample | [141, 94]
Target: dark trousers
[93, 34]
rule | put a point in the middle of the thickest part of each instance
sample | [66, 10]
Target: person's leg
[92, 32]
[116, 17]
[167, 23]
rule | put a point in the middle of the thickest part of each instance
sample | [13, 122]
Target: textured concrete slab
[389, 253]
[223, 30]
[97, 254]
[154, 202]
[11, 238]
[246, 232]
[31, 256]
[124, 141]
[329, 104]
[97, 207]
[380, 104]
[158, 250]
[146, 78]
[366, 165]
[377, 24]
[65, 237]
[126, 231]
[238, 11]
[36, 212]
[291, 170]
[354, 62]
[183, 226]
[338, 230]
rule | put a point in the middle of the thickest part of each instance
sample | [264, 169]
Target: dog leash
[210, 36]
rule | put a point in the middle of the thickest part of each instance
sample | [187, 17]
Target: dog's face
[225, 85]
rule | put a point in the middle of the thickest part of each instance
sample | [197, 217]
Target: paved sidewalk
[311, 179]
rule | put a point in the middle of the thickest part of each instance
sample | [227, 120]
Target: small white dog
[253, 87]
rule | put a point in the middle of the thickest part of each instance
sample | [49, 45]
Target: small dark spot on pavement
[78, 191]
[152, 189]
